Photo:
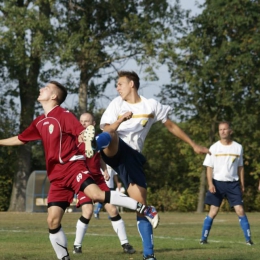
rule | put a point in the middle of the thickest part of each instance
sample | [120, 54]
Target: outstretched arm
[177, 131]
[12, 141]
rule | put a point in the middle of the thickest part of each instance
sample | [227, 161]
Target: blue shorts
[224, 189]
[128, 163]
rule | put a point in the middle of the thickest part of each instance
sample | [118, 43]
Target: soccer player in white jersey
[128, 119]
[225, 175]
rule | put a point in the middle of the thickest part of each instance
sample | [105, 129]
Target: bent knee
[53, 222]
[111, 210]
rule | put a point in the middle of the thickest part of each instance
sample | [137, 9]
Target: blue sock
[146, 232]
[98, 208]
[103, 140]
[206, 227]
[245, 227]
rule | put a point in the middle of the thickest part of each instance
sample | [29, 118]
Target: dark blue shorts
[128, 163]
[224, 189]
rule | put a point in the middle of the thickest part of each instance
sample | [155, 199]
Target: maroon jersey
[94, 164]
[59, 131]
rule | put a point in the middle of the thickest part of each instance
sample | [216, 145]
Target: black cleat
[203, 242]
[149, 257]
[67, 257]
[77, 250]
[128, 248]
[249, 242]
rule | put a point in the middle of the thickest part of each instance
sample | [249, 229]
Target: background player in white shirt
[94, 164]
[225, 175]
[128, 119]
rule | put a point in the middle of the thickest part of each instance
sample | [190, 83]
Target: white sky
[147, 89]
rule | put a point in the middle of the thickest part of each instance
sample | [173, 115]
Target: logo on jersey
[51, 128]
[144, 122]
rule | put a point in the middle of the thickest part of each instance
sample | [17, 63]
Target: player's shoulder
[117, 99]
[235, 143]
[153, 103]
[150, 100]
[116, 102]
[215, 145]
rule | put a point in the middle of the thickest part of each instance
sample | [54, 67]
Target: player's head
[60, 91]
[130, 76]
[225, 130]
[87, 119]
[54, 92]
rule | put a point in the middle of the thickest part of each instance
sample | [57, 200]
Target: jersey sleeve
[31, 133]
[111, 114]
[161, 111]
[240, 159]
[208, 161]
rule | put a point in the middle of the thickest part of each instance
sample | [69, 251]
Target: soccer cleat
[89, 138]
[96, 215]
[77, 250]
[203, 242]
[152, 215]
[249, 242]
[128, 248]
[66, 257]
[149, 257]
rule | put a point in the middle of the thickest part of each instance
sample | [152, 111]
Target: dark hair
[131, 75]
[62, 91]
[225, 122]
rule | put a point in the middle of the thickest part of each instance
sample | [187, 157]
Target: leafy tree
[8, 156]
[215, 74]
[26, 42]
[98, 36]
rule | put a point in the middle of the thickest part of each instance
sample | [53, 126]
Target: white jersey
[135, 130]
[225, 160]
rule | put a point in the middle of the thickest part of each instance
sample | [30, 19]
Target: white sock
[81, 229]
[120, 199]
[119, 227]
[59, 243]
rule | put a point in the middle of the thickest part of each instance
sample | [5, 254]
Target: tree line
[212, 58]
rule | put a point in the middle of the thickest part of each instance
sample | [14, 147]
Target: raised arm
[177, 131]
[12, 141]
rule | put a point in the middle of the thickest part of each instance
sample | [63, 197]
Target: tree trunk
[83, 92]
[18, 197]
[202, 191]
[29, 91]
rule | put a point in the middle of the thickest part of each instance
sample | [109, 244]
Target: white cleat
[152, 215]
[88, 137]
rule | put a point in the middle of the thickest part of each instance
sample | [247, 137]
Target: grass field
[25, 236]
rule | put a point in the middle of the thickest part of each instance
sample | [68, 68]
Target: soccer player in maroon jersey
[59, 130]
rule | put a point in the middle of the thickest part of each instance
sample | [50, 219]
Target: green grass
[25, 236]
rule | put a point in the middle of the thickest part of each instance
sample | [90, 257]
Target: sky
[147, 89]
